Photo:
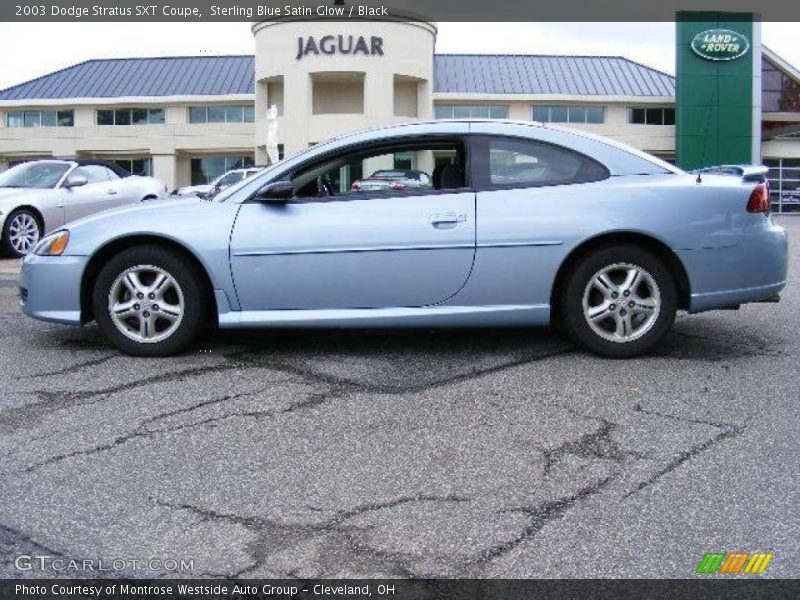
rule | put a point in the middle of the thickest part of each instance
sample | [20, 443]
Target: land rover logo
[720, 44]
[339, 44]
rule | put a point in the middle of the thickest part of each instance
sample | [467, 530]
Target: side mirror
[277, 192]
[76, 181]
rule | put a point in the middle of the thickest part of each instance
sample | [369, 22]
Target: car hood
[152, 208]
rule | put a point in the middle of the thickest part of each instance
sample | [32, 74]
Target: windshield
[34, 175]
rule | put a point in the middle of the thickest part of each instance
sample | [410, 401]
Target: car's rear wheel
[21, 232]
[619, 301]
[149, 302]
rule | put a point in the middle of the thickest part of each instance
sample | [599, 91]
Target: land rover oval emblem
[720, 44]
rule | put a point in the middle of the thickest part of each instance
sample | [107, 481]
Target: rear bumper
[730, 298]
[751, 270]
[50, 288]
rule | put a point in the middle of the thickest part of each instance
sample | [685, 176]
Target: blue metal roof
[453, 73]
[540, 74]
[168, 76]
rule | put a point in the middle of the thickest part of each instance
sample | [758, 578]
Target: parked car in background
[525, 224]
[39, 196]
[393, 179]
[222, 182]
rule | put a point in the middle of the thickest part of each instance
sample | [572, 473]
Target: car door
[334, 247]
[97, 195]
[123, 191]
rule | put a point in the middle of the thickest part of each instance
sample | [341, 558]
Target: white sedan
[222, 182]
[39, 196]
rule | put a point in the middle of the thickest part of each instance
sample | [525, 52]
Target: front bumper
[50, 288]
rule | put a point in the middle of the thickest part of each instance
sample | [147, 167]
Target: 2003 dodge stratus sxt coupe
[521, 224]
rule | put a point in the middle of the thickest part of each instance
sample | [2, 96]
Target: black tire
[188, 280]
[650, 333]
[33, 219]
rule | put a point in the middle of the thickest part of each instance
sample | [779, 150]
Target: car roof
[83, 162]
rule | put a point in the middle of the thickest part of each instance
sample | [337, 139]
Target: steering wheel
[324, 187]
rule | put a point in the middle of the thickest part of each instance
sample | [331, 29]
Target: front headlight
[53, 245]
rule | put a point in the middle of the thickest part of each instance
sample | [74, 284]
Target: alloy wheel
[23, 232]
[146, 304]
[621, 302]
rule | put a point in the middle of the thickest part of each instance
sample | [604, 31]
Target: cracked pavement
[455, 453]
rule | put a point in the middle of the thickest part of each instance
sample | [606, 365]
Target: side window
[411, 168]
[93, 173]
[511, 162]
[110, 175]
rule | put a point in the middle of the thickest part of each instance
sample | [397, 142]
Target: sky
[28, 50]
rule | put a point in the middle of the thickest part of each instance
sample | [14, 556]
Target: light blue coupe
[521, 224]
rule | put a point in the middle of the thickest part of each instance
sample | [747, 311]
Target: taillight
[356, 186]
[398, 186]
[759, 199]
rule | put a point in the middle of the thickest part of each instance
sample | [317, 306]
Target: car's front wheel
[21, 232]
[149, 302]
[619, 301]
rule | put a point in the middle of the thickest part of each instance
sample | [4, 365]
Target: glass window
[135, 166]
[130, 116]
[156, 116]
[139, 116]
[418, 168]
[568, 113]
[559, 114]
[15, 118]
[122, 116]
[527, 163]
[470, 111]
[595, 114]
[39, 118]
[66, 118]
[93, 173]
[234, 114]
[636, 116]
[651, 116]
[249, 114]
[577, 114]
[197, 114]
[443, 111]
[207, 169]
[37, 175]
[33, 118]
[541, 114]
[216, 114]
[654, 116]
[49, 118]
[105, 117]
[230, 179]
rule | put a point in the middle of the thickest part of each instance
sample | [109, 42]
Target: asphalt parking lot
[476, 453]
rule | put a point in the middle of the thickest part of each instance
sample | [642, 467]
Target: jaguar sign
[339, 44]
[720, 44]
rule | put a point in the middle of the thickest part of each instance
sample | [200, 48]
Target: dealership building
[186, 120]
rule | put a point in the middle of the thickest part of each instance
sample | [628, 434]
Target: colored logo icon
[734, 563]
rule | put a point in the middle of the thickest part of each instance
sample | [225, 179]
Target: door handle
[447, 219]
[112, 192]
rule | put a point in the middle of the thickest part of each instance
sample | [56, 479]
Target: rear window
[514, 162]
